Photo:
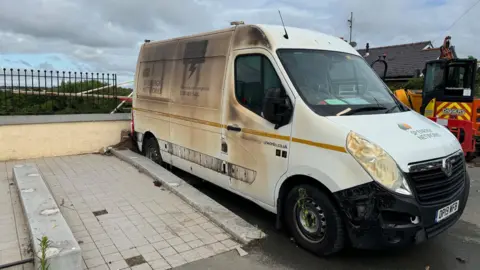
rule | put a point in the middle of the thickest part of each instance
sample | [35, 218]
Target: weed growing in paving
[44, 245]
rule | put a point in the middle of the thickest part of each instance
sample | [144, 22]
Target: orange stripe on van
[321, 145]
[265, 134]
[251, 131]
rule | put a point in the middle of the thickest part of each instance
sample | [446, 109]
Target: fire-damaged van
[297, 122]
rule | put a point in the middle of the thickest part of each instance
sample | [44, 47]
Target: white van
[297, 122]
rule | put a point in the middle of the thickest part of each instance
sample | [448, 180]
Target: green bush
[74, 87]
[22, 104]
[477, 84]
[394, 85]
[59, 101]
[414, 84]
[120, 91]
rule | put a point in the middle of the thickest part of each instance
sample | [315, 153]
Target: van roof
[304, 39]
[299, 38]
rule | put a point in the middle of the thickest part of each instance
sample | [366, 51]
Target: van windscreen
[333, 82]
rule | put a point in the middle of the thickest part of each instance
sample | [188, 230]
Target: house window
[254, 75]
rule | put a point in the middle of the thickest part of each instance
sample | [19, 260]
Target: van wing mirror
[277, 107]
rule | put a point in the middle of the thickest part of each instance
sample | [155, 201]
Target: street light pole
[350, 22]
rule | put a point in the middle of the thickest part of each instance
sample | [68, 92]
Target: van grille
[433, 184]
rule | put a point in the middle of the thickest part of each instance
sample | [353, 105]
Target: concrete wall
[23, 137]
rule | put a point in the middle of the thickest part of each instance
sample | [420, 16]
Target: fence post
[12, 101]
[116, 90]
[5, 87]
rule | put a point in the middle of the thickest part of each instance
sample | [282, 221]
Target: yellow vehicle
[448, 99]
[411, 98]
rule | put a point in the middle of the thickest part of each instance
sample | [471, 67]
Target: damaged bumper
[377, 218]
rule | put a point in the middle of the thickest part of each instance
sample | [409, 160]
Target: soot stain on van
[257, 37]
[252, 138]
[241, 174]
[250, 36]
[232, 110]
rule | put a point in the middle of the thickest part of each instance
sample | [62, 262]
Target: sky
[105, 35]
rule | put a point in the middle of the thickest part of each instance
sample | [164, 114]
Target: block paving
[119, 217]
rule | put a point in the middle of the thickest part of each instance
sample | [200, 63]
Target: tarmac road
[457, 248]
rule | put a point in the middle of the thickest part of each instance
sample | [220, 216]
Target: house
[404, 61]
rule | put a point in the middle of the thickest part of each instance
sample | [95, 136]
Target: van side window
[254, 75]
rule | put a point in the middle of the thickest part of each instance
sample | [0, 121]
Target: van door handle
[234, 128]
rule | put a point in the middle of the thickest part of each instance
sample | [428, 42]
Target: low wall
[23, 137]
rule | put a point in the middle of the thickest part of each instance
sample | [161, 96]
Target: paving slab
[242, 231]
[121, 219]
[45, 220]
[14, 235]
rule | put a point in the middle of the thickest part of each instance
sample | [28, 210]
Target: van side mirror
[277, 107]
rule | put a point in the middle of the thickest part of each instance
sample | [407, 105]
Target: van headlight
[378, 163]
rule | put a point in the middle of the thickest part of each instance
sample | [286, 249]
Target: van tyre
[152, 151]
[314, 221]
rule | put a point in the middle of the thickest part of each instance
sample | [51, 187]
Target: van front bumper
[376, 218]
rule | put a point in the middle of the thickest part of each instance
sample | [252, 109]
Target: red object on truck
[462, 129]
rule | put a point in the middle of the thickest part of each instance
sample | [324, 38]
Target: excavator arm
[445, 49]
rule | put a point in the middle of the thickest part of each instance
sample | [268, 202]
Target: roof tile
[403, 60]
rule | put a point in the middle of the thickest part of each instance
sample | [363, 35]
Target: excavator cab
[449, 82]
[448, 98]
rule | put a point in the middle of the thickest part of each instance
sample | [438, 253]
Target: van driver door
[255, 149]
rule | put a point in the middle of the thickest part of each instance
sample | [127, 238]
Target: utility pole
[350, 22]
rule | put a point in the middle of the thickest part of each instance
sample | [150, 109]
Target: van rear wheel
[152, 151]
[314, 221]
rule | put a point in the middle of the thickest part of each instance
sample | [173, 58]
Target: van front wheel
[152, 151]
[314, 221]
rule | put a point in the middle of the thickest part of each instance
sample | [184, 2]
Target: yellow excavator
[447, 96]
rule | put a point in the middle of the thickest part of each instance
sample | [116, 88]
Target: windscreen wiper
[364, 109]
[392, 108]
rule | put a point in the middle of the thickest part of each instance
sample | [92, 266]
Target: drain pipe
[7, 265]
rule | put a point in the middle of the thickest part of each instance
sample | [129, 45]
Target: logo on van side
[146, 72]
[404, 126]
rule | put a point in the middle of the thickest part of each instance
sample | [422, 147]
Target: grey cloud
[104, 23]
[54, 58]
[149, 16]
[63, 20]
[25, 63]
[390, 22]
[45, 66]
[103, 36]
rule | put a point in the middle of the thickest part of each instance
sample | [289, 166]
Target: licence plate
[447, 211]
